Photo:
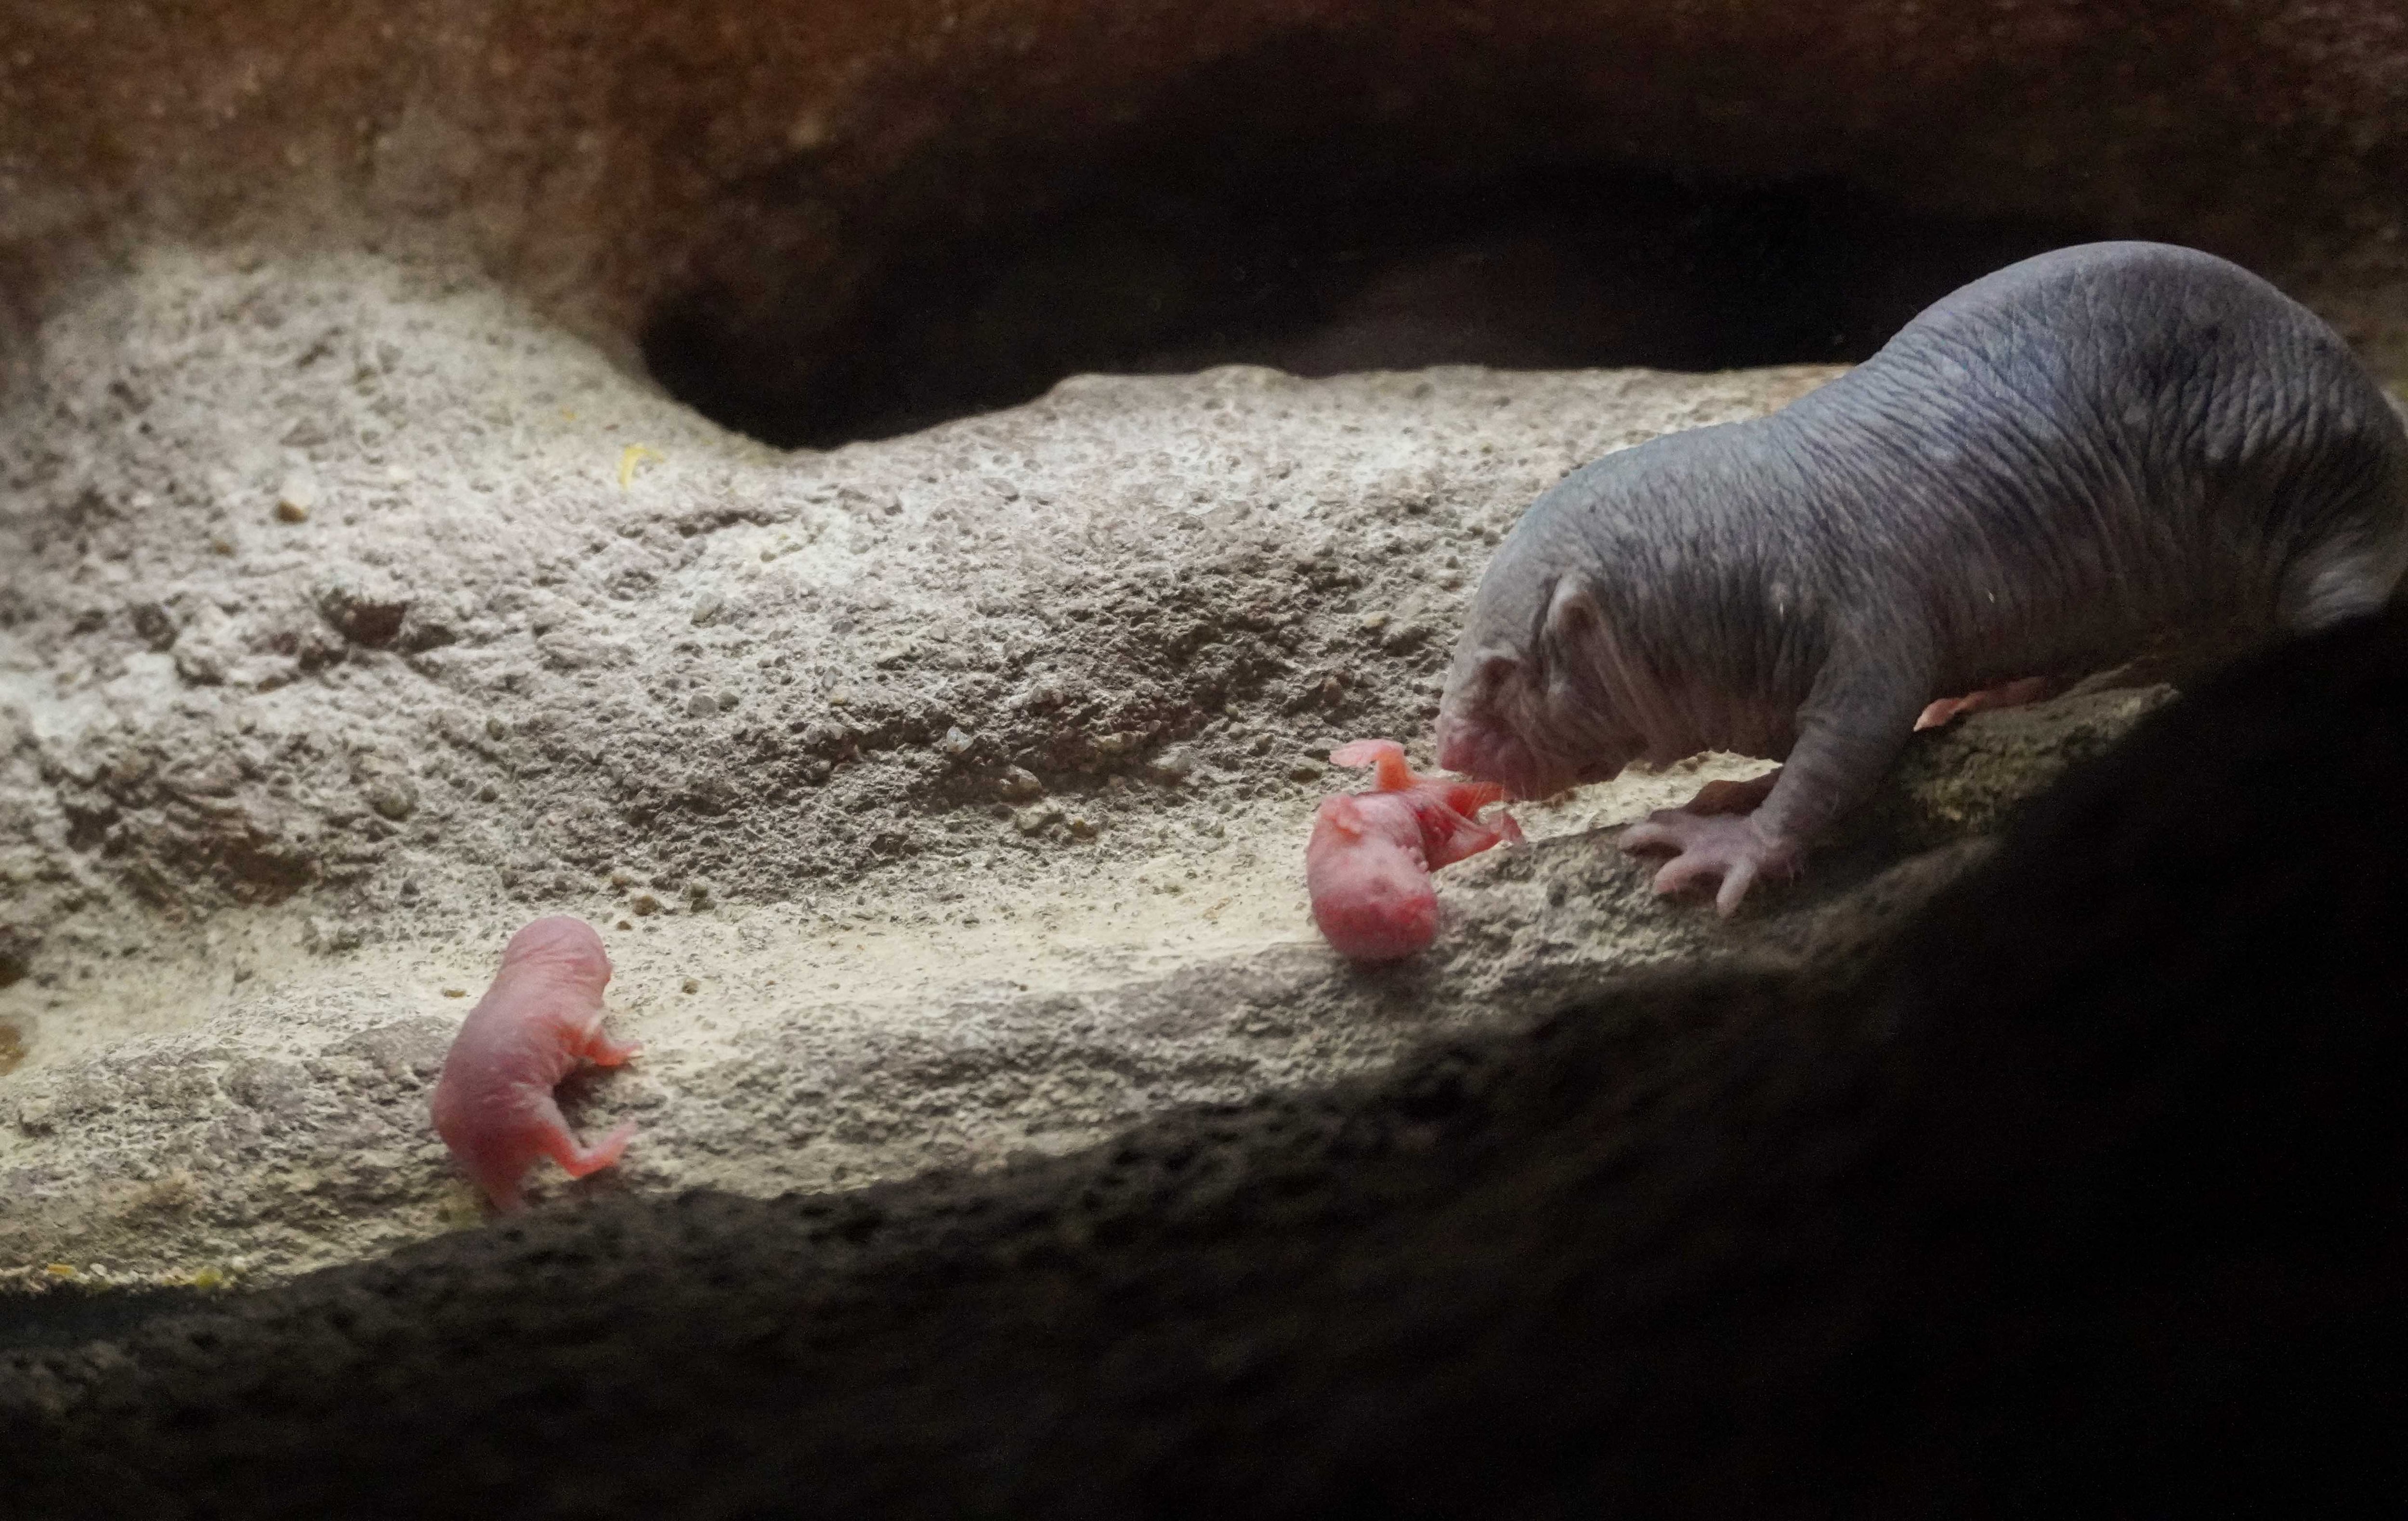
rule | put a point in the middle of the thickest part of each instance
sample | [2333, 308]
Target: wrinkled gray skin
[2114, 451]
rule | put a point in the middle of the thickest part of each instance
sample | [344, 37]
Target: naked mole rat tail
[2361, 568]
[2350, 509]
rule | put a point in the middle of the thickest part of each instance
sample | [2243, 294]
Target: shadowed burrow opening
[982, 274]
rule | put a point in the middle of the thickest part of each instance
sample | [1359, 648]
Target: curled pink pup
[493, 1105]
[1368, 865]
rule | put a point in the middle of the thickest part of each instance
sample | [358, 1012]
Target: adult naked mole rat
[2109, 452]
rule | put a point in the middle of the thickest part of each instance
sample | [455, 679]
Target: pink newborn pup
[1368, 865]
[493, 1105]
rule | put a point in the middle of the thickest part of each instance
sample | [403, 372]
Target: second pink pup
[494, 1104]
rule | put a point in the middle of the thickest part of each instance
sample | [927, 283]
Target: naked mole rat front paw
[1725, 849]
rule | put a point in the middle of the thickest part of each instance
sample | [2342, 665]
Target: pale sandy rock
[938, 799]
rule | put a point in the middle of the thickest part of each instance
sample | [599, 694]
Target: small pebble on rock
[295, 497]
[392, 799]
[1020, 785]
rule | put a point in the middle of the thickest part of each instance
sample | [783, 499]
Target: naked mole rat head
[1528, 702]
[569, 944]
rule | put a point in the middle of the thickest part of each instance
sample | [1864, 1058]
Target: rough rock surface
[939, 798]
[2083, 1201]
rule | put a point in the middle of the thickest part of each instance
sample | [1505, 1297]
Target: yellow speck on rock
[633, 456]
[59, 1269]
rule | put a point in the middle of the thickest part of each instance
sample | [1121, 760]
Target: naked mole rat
[2111, 451]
